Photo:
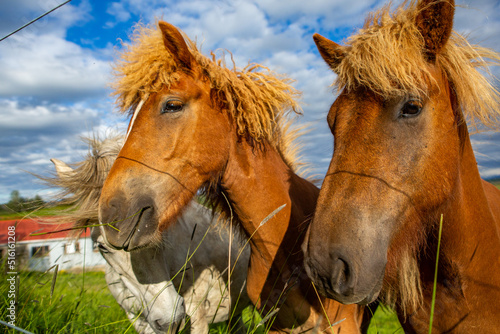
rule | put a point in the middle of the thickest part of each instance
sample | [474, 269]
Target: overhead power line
[32, 21]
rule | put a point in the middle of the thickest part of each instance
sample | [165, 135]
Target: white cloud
[49, 67]
[32, 134]
[119, 12]
[319, 13]
[17, 117]
[488, 173]
[480, 20]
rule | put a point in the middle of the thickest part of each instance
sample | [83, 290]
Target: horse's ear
[435, 22]
[62, 169]
[331, 52]
[175, 44]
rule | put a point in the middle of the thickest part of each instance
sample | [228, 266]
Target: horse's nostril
[342, 278]
[157, 325]
[340, 272]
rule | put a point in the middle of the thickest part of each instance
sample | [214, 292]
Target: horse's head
[397, 125]
[155, 297]
[181, 134]
[170, 152]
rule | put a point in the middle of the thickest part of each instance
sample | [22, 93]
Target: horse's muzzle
[131, 229]
[168, 322]
[340, 275]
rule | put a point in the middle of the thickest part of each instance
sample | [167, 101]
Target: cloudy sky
[54, 74]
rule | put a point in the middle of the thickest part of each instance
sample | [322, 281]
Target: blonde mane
[387, 57]
[257, 99]
[81, 187]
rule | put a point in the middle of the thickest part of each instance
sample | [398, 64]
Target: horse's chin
[365, 295]
[360, 299]
[164, 321]
[368, 299]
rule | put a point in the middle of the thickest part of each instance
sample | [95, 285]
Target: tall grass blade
[435, 275]
[229, 272]
[337, 322]
[267, 317]
[322, 307]
[271, 215]
[54, 279]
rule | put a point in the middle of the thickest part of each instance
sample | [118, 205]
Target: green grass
[496, 183]
[80, 303]
[249, 316]
[6, 214]
[385, 321]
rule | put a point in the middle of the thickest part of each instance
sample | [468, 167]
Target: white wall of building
[67, 253]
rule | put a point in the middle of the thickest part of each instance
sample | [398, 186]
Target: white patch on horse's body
[145, 276]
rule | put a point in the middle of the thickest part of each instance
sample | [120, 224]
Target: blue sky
[54, 74]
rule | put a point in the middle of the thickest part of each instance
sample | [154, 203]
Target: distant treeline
[18, 203]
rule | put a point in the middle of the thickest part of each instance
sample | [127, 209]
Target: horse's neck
[469, 256]
[470, 243]
[471, 214]
[258, 182]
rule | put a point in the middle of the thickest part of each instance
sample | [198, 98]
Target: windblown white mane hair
[81, 188]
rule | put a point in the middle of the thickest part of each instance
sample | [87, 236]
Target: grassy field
[6, 214]
[81, 303]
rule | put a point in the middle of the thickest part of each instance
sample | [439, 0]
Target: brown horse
[199, 125]
[402, 158]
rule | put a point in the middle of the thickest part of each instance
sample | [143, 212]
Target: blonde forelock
[387, 56]
[257, 99]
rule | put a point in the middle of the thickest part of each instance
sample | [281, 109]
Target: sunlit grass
[385, 321]
[496, 183]
[77, 307]
[6, 214]
[80, 303]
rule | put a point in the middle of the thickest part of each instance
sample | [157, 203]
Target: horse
[191, 260]
[403, 169]
[199, 126]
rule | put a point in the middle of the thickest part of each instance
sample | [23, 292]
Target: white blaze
[134, 116]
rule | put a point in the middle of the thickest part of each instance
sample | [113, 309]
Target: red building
[40, 245]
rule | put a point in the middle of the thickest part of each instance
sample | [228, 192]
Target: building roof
[27, 226]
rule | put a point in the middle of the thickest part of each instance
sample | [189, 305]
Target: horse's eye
[411, 108]
[102, 248]
[172, 106]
